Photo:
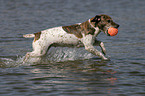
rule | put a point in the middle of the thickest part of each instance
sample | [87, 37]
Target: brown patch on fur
[86, 28]
[103, 22]
[73, 29]
[37, 36]
[92, 18]
[77, 30]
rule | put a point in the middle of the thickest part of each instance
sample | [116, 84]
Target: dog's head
[104, 22]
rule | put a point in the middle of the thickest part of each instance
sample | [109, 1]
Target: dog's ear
[96, 19]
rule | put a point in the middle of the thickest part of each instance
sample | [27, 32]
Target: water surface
[72, 71]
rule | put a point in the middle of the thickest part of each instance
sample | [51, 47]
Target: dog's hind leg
[39, 50]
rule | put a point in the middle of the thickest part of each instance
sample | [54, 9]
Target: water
[72, 71]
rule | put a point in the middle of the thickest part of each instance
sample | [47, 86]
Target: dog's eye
[109, 21]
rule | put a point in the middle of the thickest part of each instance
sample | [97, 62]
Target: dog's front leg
[88, 43]
[101, 44]
[94, 51]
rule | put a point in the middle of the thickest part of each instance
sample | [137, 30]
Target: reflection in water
[90, 76]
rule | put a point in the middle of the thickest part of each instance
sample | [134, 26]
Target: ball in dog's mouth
[112, 31]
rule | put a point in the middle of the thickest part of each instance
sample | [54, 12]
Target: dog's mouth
[106, 32]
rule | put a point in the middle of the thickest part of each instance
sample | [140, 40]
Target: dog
[79, 35]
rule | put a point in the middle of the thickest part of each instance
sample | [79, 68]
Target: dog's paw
[106, 59]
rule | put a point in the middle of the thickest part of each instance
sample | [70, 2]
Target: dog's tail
[29, 35]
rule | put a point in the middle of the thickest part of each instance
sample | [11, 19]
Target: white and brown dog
[81, 34]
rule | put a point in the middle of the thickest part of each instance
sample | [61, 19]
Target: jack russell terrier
[79, 35]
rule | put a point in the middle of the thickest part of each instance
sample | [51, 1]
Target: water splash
[54, 55]
[67, 54]
[8, 62]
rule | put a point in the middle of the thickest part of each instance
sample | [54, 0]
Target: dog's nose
[117, 26]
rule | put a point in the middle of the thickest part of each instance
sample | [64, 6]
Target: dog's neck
[93, 26]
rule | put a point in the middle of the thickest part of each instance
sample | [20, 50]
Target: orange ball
[112, 31]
